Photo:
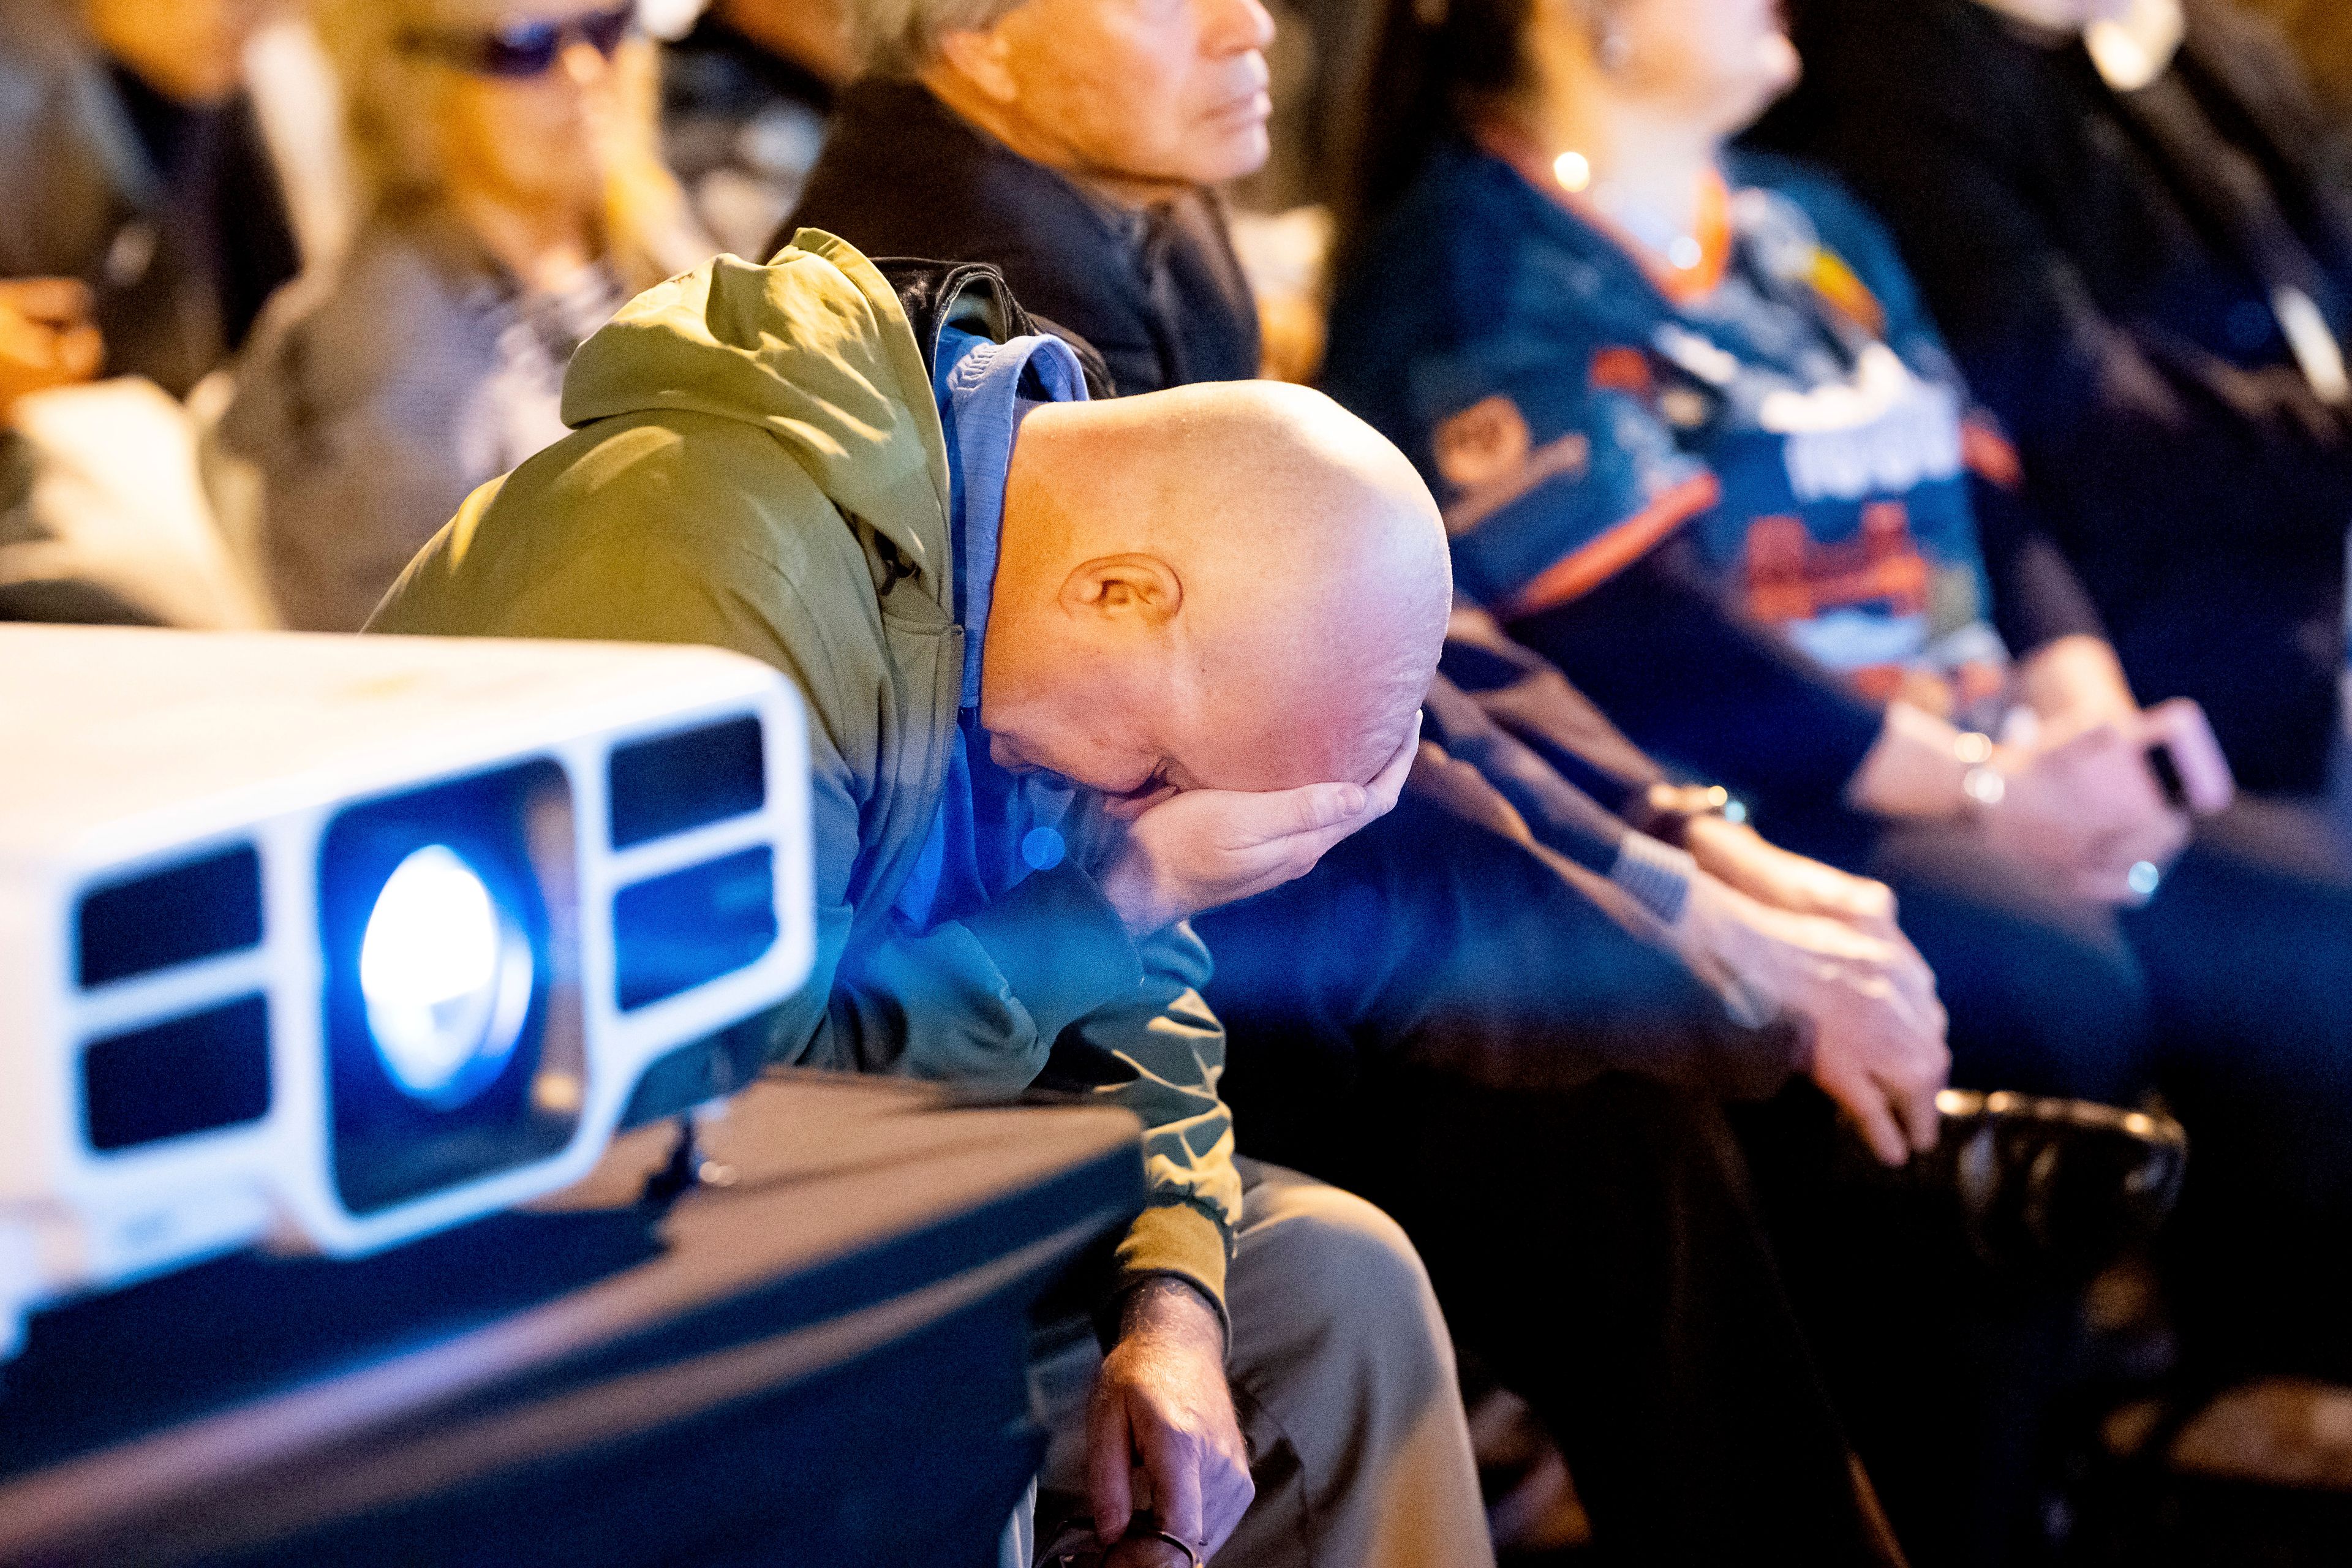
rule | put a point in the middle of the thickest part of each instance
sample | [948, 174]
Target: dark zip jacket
[1158, 294]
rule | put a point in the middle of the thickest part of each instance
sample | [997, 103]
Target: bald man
[1075, 672]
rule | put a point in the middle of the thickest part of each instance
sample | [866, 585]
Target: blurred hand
[1735, 854]
[1866, 999]
[46, 337]
[2088, 809]
[2075, 684]
[1197, 849]
[1162, 1408]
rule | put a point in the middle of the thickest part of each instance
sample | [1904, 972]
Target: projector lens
[446, 976]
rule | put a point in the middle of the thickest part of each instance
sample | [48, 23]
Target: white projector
[331, 942]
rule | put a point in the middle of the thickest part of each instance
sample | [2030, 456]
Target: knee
[1351, 1282]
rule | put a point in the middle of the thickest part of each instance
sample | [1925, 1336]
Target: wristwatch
[1982, 784]
[1666, 811]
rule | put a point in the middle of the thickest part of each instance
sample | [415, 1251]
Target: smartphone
[2160, 763]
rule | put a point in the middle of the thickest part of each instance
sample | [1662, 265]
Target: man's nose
[1237, 26]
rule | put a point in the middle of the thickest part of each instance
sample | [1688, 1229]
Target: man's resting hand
[1200, 848]
[1865, 998]
[1736, 855]
[1162, 1408]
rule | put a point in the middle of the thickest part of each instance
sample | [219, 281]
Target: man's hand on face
[46, 337]
[1200, 849]
[1867, 999]
[1162, 1407]
[1734, 854]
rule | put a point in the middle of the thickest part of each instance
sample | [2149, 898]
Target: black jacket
[2103, 264]
[1161, 295]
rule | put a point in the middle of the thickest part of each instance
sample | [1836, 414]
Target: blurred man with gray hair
[1043, 137]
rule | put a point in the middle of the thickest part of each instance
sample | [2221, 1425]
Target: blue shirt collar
[984, 389]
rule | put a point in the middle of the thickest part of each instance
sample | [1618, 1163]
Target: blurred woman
[516, 201]
[1700, 445]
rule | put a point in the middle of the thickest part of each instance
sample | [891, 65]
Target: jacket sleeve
[1518, 690]
[1159, 1051]
[1693, 680]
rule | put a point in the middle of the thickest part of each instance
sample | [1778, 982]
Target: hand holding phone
[2186, 758]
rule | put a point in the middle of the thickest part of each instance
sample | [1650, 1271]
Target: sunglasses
[522, 50]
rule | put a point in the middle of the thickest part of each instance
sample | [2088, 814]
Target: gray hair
[901, 37]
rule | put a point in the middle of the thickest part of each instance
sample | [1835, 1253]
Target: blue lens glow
[447, 978]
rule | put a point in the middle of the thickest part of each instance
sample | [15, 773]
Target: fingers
[1221, 1514]
[1174, 1466]
[1389, 783]
[1314, 808]
[1110, 1489]
[1915, 1103]
[1863, 1101]
[57, 302]
[80, 352]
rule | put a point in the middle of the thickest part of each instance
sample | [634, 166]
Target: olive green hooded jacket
[756, 462]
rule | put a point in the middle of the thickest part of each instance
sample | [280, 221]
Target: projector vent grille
[193, 1074]
[672, 933]
[687, 780]
[183, 912]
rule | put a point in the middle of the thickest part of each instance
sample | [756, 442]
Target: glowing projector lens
[447, 978]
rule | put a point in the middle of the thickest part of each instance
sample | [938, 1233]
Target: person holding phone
[1701, 448]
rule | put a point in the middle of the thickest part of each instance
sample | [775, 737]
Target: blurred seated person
[87, 536]
[1056, 708]
[513, 204]
[1700, 448]
[2130, 220]
[104, 518]
[1443, 957]
[933, 153]
[745, 99]
[138, 181]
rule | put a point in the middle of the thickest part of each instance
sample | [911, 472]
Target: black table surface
[818, 1356]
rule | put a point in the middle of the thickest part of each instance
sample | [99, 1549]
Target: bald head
[1231, 586]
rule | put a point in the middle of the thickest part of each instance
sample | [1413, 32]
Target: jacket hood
[812, 348]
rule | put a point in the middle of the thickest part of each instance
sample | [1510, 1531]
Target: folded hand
[1865, 998]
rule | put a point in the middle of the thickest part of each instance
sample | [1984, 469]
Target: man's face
[1168, 92]
[191, 50]
[1139, 721]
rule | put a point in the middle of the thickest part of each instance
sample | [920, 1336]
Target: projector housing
[196, 835]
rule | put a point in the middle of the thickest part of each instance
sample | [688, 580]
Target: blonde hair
[396, 158]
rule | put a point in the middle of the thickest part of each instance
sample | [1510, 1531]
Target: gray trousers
[1343, 1377]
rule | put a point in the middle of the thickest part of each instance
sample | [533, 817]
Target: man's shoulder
[902, 176]
[668, 527]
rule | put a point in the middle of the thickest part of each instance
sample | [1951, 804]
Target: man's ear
[1142, 589]
[978, 54]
